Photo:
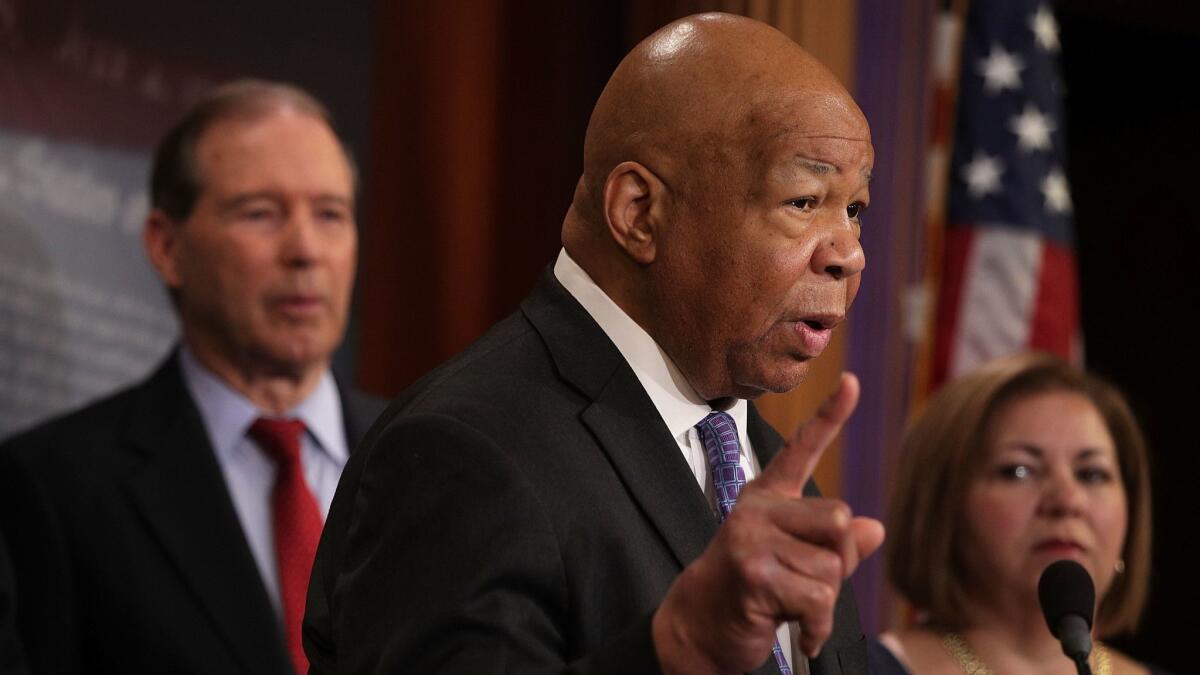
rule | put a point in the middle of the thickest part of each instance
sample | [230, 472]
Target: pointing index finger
[792, 467]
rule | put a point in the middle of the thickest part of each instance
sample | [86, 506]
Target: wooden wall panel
[479, 114]
[426, 263]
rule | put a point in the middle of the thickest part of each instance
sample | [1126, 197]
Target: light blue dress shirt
[249, 473]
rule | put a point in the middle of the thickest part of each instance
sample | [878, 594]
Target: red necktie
[296, 522]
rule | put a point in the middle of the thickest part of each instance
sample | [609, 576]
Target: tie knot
[279, 438]
[719, 434]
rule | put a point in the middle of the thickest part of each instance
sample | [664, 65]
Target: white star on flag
[1058, 195]
[1045, 28]
[1008, 275]
[1001, 70]
[982, 174]
[1032, 128]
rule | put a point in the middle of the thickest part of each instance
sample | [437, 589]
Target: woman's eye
[803, 203]
[855, 210]
[1015, 471]
[1094, 475]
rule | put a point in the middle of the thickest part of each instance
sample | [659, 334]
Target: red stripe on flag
[1056, 310]
[956, 252]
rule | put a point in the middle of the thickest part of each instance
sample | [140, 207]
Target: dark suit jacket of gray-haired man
[144, 528]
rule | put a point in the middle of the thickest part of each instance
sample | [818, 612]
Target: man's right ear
[161, 239]
[633, 204]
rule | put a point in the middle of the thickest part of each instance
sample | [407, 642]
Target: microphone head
[1066, 589]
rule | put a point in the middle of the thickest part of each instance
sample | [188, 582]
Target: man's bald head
[724, 173]
[698, 88]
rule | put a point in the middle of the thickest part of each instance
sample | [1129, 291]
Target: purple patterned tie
[719, 434]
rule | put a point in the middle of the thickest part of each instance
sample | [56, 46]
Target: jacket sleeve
[42, 581]
[439, 557]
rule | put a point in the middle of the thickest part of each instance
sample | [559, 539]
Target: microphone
[1068, 600]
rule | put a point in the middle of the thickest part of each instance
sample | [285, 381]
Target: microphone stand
[1075, 637]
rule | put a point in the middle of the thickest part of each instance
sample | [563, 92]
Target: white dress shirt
[677, 402]
[249, 472]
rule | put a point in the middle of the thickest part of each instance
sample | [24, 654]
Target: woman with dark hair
[1024, 462]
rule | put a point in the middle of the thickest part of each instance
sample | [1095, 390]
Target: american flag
[1008, 279]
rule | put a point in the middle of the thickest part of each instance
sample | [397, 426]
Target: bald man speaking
[560, 496]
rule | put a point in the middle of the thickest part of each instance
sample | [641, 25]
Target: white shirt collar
[677, 402]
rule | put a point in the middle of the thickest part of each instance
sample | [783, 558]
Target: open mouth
[820, 321]
[814, 334]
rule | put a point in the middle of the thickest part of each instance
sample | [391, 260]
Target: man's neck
[272, 390]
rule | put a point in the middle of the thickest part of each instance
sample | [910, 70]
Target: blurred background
[466, 119]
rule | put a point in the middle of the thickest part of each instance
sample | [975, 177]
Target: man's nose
[301, 244]
[839, 254]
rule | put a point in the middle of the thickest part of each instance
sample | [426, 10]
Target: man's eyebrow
[812, 165]
[334, 197]
[824, 168]
[238, 200]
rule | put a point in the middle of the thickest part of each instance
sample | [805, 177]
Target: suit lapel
[629, 429]
[845, 653]
[653, 470]
[181, 494]
[767, 443]
[623, 420]
[765, 440]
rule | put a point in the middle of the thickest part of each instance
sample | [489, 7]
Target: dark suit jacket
[128, 554]
[521, 509]
[12, 656]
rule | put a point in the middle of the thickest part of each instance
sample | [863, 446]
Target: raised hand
[779, 556]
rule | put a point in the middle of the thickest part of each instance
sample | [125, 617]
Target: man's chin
[779, 380]
[296, 357]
